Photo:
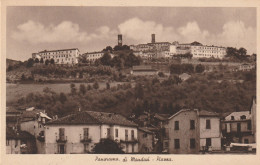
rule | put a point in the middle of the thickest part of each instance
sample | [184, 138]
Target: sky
[33, 29]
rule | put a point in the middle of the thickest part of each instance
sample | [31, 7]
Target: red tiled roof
[91, 117]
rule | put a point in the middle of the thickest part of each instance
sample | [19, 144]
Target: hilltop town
[159, 97]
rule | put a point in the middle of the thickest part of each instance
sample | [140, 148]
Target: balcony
[41, 138]
[61, 139]
[133, 140]
[85, 139]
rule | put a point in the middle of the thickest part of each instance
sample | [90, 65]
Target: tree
[73, 89]
[36, 60]
[30, 63]
[52, 61]
[95, 85]
[107, 146]
[41, 61]
[105, 59]
[82, 89]
[89, 87]
[47, 62]
[161, 74]
[107, 85]
[139, 91]
[63, 98]
[175, 69]
[200, 68]
[108, 49]
[23, 77]
[242, 51]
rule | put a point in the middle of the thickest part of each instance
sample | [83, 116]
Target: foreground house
[240, 127]
[19, 142]
[191, 131]
[146, 140]
[78, 133]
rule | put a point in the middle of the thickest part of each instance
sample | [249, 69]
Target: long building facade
[78, 133]
[62, 56]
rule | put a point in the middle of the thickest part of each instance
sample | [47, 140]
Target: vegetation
[107, 146]
[210, 91]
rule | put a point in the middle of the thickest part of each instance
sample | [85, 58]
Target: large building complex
[62, 56]
[198, 50]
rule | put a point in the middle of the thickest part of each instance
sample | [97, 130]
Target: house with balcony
[79, 132]
[237, 128]
[190, 131]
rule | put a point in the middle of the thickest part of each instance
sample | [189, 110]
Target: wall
[72, 132]
[213, 133]
[253, 119]
[145, 142]
[184, 133]
[11, 148]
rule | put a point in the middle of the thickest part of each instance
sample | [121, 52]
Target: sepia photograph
[133, 80]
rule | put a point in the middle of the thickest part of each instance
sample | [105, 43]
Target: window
[232, 118]
[108, 132]
[132, 135]
[126, 148]
[176, 143]
[192, 124]
[86, 133]
[238, 127]
[192, 143]
[208, 142]
[133, 148]
[62, 133]
[116, 132]
[166, 144]
[249, 126]
[208, 124]
[176, 125]
[144, 135]
[246, 141]
[126, 134]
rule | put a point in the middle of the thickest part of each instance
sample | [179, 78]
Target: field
[15, 91]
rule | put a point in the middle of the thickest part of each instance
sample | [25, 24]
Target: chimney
[120, 39]
[153, 38]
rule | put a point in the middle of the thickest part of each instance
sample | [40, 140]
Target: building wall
[184, 134]
[253, 119]
[214, 132]
[145, 143]
[94, 56]
[60, 56]
[208, 51]
[232, 126]
[33, 127]
[74, 132]
[11, 148]
[144, 73]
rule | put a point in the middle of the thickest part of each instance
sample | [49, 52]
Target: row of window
[210, 48]
[56, 52]
[192, 125]
[58, 56]
[86, 133]
[177, 143]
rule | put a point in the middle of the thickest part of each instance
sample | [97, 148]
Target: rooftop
[91, 117]
[12, 134]
[44, 51]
